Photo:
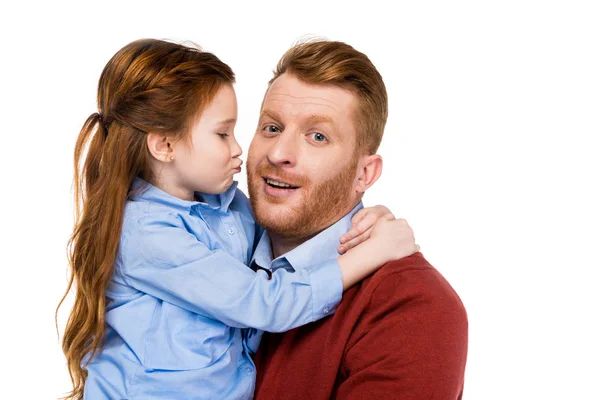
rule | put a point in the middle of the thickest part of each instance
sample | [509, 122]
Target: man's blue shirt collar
[312, 252]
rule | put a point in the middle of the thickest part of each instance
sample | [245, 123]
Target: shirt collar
[320, 248]
[145, 191]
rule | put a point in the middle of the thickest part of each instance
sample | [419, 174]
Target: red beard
[322, 204]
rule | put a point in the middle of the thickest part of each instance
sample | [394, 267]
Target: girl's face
[208, 161]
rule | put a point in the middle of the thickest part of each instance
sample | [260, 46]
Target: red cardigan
[400, 334]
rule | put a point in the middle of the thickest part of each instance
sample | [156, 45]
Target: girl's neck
[167, 183]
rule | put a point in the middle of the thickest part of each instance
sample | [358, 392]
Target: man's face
[301, 164]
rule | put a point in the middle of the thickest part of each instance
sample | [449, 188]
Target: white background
[490, 152]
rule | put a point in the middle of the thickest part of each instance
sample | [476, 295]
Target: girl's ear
[160, 147]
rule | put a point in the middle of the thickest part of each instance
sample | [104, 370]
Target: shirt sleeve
[411, 340]
[161, 258]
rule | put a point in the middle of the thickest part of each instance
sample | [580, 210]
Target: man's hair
[324, 62]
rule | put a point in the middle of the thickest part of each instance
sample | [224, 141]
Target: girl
[163, 237]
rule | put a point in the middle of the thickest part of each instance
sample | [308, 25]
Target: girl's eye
[319, 137]
[223, 135]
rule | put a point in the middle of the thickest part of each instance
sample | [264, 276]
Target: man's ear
[160, 147]
[369, 170]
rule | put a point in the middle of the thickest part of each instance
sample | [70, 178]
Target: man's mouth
[279, 184]
[278, 187]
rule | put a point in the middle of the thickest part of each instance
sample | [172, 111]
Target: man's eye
[271, 129]
[223, 135]
[319, 137]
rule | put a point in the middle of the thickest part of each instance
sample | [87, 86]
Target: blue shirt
[182, 294]
[320, 248]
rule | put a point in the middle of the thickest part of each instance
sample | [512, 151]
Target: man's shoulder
[413, 262]
[410, 278]
[412, 328]
[415, 266]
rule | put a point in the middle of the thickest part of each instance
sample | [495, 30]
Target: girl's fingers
[355, 241]
[363, 220]
[359, 227]
[352, 233]
[360, 214]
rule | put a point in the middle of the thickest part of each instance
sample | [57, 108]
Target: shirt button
[248, 370]
[326, 310]
[231, 231]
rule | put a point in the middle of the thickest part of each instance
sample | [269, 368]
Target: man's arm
[410, 343]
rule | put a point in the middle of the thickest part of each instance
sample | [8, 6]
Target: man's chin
[282, 217]
[270, 201]
[277, 213]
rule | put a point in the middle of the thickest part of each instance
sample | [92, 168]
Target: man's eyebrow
[315, 119]
[270, 114]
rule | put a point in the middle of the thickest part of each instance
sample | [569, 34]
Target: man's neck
[281, 245]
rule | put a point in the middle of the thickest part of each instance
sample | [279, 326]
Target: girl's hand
[362, 226]
[385, 239]
[393, 239]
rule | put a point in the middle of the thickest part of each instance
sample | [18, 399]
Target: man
[402, 333]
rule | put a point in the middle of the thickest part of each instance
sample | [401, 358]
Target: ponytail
[102, 180]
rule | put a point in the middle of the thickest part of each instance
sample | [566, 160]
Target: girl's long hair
[147, 86]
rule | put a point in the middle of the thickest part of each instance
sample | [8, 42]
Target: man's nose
[283, 151]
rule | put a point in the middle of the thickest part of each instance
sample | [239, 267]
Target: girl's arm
[161, 258]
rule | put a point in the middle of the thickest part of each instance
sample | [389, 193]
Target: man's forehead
[287, 90]
[309, 108]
